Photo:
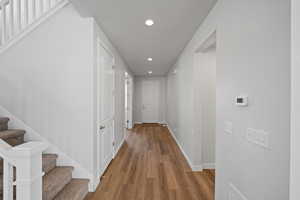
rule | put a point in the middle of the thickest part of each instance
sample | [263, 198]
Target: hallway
[151, 166]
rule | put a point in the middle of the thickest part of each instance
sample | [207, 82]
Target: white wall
[137, 99]
[253, 57]
[120, 68]
[45, 81]
[205, 103]
[295, 138]
[48, 80]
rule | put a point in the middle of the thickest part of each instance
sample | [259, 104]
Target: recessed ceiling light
[150, 59]
[150, 72]
[149, 22]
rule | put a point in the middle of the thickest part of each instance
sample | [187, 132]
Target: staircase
[58, 183]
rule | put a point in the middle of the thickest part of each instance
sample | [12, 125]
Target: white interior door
[150, 101]
[106, 99]
[128, 101]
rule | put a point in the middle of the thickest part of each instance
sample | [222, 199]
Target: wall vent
[235, 194]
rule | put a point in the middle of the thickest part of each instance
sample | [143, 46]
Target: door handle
[102, 127]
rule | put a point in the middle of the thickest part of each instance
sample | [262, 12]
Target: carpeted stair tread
[49, 162]
[55, 181]
[3, 123]
[12, 133]
[13, 137]
[4, 120]
[77, 189]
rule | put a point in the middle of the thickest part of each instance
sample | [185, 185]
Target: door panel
[106, 99]
[150, 101]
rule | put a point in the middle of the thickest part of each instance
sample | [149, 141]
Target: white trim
[197, 168]
[33, 26]
[119, 147]
[209, 166]
[193, 167]
[62, 160]
[235, 193]
[94, 183]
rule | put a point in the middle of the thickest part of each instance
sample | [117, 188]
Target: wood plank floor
[150, 166]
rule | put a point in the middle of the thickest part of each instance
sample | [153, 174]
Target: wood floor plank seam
[150, 166]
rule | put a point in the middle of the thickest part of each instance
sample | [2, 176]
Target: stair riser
[84, 193]
[15, 141]
[3, 126]
[79, 194]
[50, 165]
[58, 187]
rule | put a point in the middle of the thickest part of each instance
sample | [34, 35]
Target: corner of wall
[63, 158]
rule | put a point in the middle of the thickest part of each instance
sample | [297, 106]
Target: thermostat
[241, 100]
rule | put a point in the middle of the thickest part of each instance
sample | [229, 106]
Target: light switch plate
[228, 127]
[258, 137]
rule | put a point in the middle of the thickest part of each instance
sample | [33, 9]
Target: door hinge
[113, 143]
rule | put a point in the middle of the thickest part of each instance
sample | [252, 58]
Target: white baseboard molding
[62, 160]
[94, 184]
[119, 147]
[197, 168]
[193, 167]
[209, 166]
[96, 180]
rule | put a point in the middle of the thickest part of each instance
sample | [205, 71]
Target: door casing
[100, 156]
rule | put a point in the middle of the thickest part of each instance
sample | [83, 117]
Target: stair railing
[22, 167]
[16, 16]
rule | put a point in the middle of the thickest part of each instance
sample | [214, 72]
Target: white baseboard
[119, 146]
[197, 168]
[62, 160]
[96, 180]
[193, 167]
[94, 184]
[209, 166]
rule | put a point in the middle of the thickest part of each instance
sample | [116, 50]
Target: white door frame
[129, 113]
[208, 41]
[144, 120]
[295, 104]
[98, 164]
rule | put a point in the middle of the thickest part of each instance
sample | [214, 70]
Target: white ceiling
[175, 22]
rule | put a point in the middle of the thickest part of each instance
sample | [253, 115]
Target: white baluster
[33, 10]
[18, 15]
[7, 181]
[3, 24]
[41, 7]
[26, 13]
[11, 21]
[47, 5]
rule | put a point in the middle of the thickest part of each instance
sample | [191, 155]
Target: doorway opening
[105, 107]
[128, 101]
[205, 101]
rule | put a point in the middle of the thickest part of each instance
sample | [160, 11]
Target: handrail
[16, 16]
[27, 159]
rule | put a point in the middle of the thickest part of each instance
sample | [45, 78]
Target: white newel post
[28, 161]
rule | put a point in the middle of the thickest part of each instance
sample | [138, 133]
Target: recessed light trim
[150, 59]
[150, 72]
[149, 22]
